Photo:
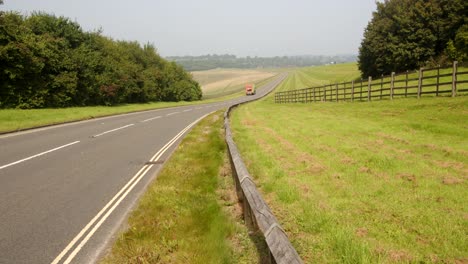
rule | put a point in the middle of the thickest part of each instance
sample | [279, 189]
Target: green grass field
[190, 215]
[377, 182]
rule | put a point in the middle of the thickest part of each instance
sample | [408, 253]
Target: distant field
[221, 82]
[378, 182]
[319, 75]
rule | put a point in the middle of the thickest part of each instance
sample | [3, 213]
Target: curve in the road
[65, 190]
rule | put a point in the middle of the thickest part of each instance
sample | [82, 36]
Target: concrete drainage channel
[256, 212]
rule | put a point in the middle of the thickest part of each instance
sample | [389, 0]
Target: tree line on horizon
[408, 34]
[213, 61]
[49, 61]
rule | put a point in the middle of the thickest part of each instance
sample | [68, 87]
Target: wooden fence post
[344, 91]
[437, 84]
[369, 87]
[336, 91]
[314, 94]
[406, 87]
[392, 80]
[324, 93]
[381, 86]
[454, 78]
[421, 70]
[352, 91]
[360, 92]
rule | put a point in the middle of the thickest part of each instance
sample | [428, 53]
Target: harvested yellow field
[219, 82]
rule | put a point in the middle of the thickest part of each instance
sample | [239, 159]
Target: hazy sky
[240, 27]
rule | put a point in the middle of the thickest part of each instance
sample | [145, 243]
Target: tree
[48, 61]
[407, 34]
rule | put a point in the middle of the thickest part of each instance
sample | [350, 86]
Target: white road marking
[173, 113]
[37, 155]
[113, 130]
[125, 190]
[149, 119]
[188, 110]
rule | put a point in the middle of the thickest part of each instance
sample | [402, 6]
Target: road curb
[256, 212]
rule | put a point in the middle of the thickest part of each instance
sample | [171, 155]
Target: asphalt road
[66, 190]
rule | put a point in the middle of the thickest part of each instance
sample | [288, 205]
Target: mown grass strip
[190, 213]
[363, 182]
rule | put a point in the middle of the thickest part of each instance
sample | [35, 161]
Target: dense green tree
[407, 34]
[49, 61]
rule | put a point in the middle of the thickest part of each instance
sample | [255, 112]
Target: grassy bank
[190, 213]
[363, 182]
[19, 119]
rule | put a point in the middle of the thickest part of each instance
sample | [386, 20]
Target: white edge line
[37, 155]
[138, 176]
[149, 119]
[109, 131]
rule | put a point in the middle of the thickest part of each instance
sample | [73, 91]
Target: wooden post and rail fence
[429, 81]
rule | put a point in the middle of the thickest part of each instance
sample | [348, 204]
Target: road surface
[66, 190]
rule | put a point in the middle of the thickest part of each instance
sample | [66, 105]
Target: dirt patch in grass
[448, 180]
[393, 138]
[400, 256]
[362, 232]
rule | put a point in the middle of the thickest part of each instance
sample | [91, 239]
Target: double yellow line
[105, 212]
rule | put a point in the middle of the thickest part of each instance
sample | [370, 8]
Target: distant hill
[207, 62]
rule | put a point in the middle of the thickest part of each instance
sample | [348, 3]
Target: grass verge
[20, 119]
[190, 213]
[370, 182]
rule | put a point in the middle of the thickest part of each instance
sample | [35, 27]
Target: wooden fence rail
[257, 214]
[429, 81]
